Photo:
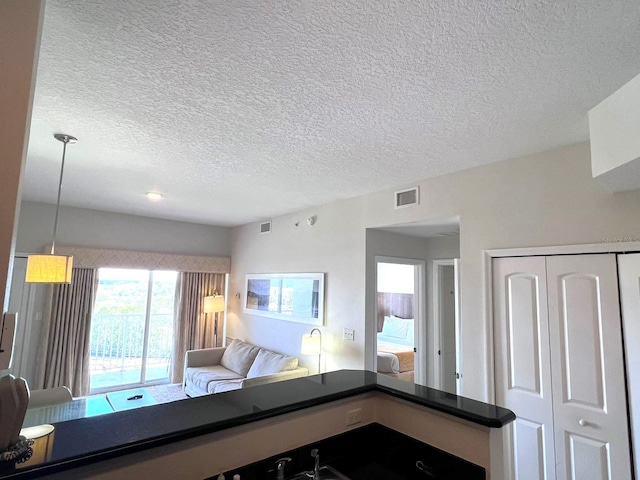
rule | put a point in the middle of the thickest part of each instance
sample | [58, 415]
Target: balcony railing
[117, 344]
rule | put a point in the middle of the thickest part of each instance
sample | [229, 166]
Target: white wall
[334, 245]
[93, 228]
[544, 199]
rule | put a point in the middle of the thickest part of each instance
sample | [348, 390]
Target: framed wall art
[296, 297]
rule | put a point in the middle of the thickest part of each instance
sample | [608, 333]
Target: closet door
[522, 362]
[629, 276]
[589, 395]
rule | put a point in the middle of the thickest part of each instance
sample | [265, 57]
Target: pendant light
[49, 267]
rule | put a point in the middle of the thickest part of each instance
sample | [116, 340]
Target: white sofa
[239, 365]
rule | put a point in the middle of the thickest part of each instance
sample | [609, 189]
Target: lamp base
[18, 453]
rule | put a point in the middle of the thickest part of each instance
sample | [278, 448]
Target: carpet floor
[167, 393]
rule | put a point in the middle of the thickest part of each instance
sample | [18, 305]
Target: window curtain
[192, 329]
[64, 343]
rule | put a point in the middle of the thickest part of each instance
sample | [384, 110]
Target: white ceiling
[241, 110]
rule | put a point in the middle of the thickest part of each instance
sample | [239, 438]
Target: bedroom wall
[543, 199]
[93, 228]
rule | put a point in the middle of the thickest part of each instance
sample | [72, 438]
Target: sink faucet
[316, 469]
[280, 464]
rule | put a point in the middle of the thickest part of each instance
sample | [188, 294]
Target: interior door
[522, 363]
[629, 278]
[589, 394]
[448, 337]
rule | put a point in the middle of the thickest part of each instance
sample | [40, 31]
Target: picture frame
[294, 297]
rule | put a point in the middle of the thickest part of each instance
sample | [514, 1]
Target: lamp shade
[48, 268]
[310, 344]
[42, 436]
[213, 304]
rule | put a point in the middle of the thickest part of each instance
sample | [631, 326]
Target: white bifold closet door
[523, 362]
[629, 275]
[559, 366]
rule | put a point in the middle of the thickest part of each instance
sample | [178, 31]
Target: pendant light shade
[47, 268]
[52, 268]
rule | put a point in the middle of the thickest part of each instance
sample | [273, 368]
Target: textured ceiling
[241, 110]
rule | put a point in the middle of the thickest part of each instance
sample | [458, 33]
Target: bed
[396, 336]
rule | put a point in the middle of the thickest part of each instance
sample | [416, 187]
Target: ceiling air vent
[406, 198]
[265, 227]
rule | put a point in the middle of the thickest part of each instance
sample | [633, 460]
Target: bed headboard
[398, 304]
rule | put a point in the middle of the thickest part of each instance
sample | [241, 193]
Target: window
[132, 328]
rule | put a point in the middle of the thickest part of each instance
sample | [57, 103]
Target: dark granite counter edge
[165, 439]
[497, 422]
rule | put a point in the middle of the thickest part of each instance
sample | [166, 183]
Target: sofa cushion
[226, 385]
[239, 356]
[201, 377]
[267, 362]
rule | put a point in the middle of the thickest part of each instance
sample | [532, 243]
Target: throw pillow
[239, 356]
[268, 362]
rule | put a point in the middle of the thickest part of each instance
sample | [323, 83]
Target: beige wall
[20, 22]
[544, 199]
[335, 245]
[82, 227]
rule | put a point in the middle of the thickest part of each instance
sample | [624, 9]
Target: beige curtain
[193, 329]
[64, 343]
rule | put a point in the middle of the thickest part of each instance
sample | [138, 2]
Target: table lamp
[312, 345]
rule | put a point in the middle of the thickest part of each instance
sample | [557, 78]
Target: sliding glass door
[131, 328]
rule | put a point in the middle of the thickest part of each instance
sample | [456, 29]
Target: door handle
[457, 375]
[582, 422]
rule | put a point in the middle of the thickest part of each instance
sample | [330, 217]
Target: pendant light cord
[55, 222]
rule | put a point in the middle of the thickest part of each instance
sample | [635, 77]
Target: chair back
[49, 396]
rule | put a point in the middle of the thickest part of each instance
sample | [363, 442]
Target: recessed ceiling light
[155, 196]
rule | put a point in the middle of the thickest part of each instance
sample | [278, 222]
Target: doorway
[399, 317]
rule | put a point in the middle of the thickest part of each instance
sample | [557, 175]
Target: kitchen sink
[326, 473]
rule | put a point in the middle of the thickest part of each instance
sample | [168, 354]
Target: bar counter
[85, 441]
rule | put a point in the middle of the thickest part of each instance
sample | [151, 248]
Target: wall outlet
[354, 416]
[348, 334]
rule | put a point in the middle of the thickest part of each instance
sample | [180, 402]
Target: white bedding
[397, 331]
[388, 363]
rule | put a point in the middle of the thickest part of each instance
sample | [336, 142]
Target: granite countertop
[87, 440]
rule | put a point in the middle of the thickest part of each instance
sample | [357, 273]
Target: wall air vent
[265, 227]
[406, 198]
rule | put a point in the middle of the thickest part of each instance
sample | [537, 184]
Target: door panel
[589, 458]
[580, 340]
[530, 449]
[629, 275]
[523, 370]
[523, 333]
[589, 404]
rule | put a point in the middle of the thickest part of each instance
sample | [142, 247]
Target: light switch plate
[348, 334]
